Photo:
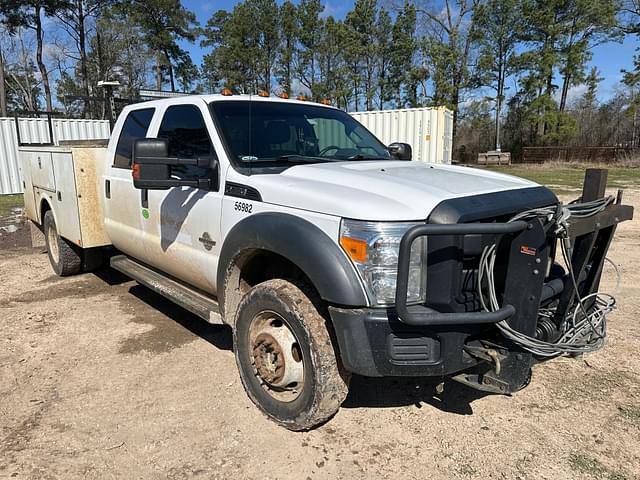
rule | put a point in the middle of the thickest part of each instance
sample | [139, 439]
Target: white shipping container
[427, 130]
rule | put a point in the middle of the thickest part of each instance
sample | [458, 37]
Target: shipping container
[429, 131]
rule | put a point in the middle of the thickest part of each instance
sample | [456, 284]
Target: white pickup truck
[328, 253]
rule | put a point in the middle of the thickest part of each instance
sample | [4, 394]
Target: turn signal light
[135, 171]
[356, 249]
[263, 93]
[226, 92]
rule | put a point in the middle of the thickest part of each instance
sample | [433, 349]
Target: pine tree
[287, 51]
[384, 52]
[403, 48]
[163, 23]
[499, 27]
[310, 28]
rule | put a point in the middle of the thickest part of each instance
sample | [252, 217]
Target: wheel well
[254, 266]
[44, 208]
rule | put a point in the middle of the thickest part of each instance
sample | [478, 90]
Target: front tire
[65, 258]
[285, 356]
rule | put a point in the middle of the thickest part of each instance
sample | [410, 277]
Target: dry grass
[564, 178]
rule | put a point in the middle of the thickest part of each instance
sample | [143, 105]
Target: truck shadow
[363, 392]
[174, 209]
[217, 335]
[403, 391]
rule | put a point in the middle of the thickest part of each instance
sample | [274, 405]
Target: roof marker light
[227, 92]
[263, 93]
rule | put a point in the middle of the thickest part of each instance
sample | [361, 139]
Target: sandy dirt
[101, 378]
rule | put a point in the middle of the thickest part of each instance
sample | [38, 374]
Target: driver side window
[184, 127]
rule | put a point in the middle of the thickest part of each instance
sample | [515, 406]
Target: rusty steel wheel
[277, 358]
[285, 356]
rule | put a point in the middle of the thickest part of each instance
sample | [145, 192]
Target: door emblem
[207, 241]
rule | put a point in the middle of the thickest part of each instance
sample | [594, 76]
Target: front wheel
[285, 356]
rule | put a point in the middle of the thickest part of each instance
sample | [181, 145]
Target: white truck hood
[378, 190]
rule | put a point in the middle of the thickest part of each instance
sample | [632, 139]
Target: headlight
[373, 247]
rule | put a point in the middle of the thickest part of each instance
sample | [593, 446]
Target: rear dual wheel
[285, 356]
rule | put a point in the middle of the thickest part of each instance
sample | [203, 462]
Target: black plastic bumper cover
[375, 343]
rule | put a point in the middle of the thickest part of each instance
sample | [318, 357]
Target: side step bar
[189, 299]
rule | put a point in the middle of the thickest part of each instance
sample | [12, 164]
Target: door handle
[107, 188]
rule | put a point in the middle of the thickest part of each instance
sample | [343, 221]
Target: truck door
[183, 228]
[124, 217]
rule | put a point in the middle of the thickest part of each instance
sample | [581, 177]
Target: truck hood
[379, 190]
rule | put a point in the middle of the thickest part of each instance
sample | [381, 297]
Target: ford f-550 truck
[328, 253]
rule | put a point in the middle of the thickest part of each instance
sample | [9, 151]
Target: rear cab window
[134, 127]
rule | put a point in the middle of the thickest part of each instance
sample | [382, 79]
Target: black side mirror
[401, 151]
[151, 168]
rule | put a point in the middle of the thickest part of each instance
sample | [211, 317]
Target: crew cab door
[182, 232]
[123, 216]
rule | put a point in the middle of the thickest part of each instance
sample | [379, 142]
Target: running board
[189, 299]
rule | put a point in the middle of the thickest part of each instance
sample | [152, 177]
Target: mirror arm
[196, 162]
[201, 183]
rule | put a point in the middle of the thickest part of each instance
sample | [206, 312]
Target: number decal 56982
[243, 207]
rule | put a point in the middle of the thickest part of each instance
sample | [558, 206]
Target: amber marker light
[135, 171]
[263, 93]
[283, 95]
[302, 98]
[325, 101]
[226, 92]
[356, 249]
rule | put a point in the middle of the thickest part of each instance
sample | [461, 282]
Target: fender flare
[303, 244]
[42, 201]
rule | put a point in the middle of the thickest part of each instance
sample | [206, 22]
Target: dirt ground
[101, 378]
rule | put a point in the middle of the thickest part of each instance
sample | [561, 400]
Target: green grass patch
[7, 202]
[581, 463]
[568, 180]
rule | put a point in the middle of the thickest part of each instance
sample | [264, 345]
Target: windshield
[268, 133]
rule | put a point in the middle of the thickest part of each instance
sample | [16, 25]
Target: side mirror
[401, 151]
[151, 166]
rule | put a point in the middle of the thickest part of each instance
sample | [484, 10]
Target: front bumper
[450, 335]
[375, 343]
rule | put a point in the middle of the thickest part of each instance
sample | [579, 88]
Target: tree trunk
[83, 55]
[41, 66]
[171, 78]
[565, 89]
[3, 88]
[499, 94]
[101, 73]
[159, 71]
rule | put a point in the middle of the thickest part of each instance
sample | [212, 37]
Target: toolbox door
[42, 174]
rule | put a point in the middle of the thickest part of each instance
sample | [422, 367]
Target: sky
[610, 58]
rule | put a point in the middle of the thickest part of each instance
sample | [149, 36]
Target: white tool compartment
[66, 178]
[42, 170]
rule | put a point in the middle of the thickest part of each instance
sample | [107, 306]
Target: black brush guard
[528, 244]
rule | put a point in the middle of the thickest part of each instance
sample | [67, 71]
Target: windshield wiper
[295, 158]
[360, 156]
